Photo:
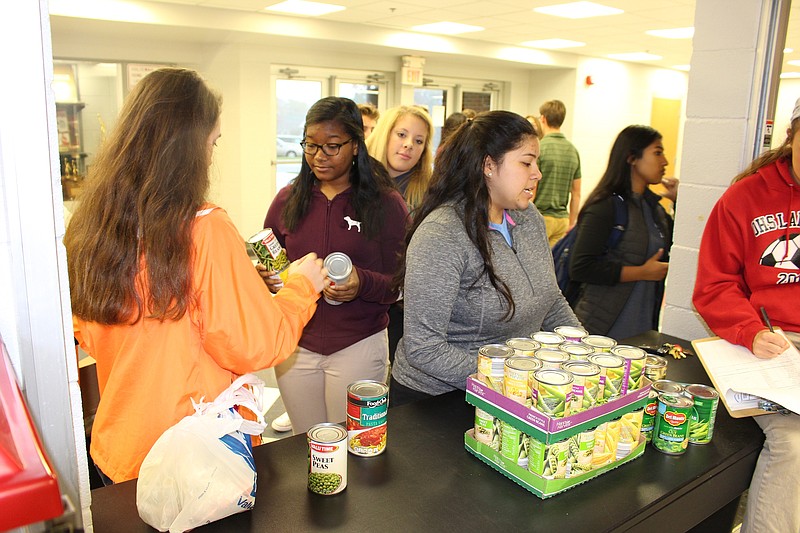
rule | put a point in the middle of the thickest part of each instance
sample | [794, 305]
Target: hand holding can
[344, 282]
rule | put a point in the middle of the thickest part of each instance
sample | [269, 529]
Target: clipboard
[700, 346]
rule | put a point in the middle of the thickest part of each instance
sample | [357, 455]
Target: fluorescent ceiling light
[685, 68]
[578, 10]
[553, 44]
[673, 33]
[794, 62]
[304, 7]
[446, 28]
[788, 50]
[790, 75]
[635, 56]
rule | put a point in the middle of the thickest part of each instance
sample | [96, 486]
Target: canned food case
[544, 428]
[553, 440]
[539, 485]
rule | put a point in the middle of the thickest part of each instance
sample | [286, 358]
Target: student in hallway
[749, 260]
[622, 288]
[558, 195]
[164, 296]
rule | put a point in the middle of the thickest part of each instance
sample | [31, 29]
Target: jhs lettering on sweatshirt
[783, 252]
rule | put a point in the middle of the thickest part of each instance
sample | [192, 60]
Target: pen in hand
[766, 319]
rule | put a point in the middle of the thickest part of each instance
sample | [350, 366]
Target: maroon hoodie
[323, 230]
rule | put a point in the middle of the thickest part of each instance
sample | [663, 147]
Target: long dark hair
[458, 178]
[631, 142]
[144, 189]
[368, 178]
[784, 151]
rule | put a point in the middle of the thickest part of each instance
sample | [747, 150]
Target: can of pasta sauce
[327, 458]
[367, 405]
[701, 423]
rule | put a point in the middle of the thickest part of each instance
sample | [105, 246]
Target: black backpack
[563, 248]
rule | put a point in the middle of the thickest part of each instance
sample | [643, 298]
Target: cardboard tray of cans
[540, 426]
[547, 432]
[541, 486]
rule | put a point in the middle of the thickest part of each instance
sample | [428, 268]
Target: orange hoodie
[147, 372]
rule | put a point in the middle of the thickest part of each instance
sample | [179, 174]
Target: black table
[427, 481]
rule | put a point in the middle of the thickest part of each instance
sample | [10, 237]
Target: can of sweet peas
[327, 458]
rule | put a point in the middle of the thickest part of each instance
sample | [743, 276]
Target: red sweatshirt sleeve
[721, 295]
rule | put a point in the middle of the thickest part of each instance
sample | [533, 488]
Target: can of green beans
[651, 409]
[514, 444]
[547, 339]
[518, 378]
[655, 367]
[585, 385]
[551, 358]
[577, 350]
[671, 431]
[523, 346]
[612, 371]
[269, 252]
[600, 343]
[487, 429]
[571, 333]
[634, 366]
[327, 458]
[555, 392]
[701, 423]
[492, 364]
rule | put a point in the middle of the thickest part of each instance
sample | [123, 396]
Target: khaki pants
[556, 228]
[314, 386]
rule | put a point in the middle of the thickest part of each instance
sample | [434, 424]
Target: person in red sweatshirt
[749, 259]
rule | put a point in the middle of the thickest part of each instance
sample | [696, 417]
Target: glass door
[293, 98]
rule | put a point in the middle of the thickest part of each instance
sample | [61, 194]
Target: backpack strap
[620, 221]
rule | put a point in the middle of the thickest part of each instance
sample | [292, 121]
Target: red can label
[367, 406]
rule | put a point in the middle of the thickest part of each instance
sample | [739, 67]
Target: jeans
[773, 501]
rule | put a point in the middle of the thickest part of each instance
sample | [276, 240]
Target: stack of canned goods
[540, 372]
[677, 415]
[328, 444]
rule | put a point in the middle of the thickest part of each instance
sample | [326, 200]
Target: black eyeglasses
[329, 149]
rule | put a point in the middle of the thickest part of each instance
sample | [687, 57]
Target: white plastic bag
[201, 469]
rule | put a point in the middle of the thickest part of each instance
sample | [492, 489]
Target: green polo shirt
[560, 164]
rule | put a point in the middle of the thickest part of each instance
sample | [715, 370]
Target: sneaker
[282, 423]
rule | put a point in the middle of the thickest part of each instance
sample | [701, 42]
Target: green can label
[649, 415]
[514, 444]
[701, 423]
[671, 431]
[487, 429]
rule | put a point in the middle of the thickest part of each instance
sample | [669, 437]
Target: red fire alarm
[589, 81]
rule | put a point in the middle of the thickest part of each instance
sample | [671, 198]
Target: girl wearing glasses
[342, 201]
[477, 269]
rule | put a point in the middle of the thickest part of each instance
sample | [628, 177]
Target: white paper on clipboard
[744, 379]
